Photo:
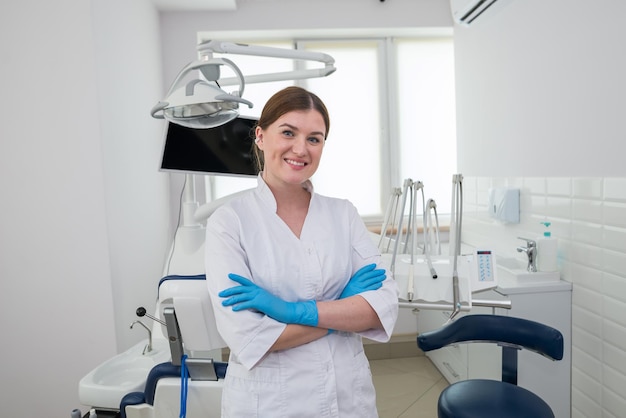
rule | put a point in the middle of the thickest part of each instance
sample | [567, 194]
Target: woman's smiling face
[292, 147]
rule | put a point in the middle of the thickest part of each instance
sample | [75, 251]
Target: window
[426, 116]
[392, 109]
[351, 163]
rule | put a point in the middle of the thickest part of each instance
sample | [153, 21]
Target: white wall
[77, 197]
[540, 88]
[128, 58]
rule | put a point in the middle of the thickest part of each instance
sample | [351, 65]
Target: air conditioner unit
[466, 11]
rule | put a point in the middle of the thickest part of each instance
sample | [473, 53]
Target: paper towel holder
[504, 204]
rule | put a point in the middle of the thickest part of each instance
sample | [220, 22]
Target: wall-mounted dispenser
[504, 204]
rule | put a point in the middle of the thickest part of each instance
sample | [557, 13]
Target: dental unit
[458, 275]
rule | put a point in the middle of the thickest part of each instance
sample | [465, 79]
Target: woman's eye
[314, 140]
[287, 133]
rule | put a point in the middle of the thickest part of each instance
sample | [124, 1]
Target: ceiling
[209, 5]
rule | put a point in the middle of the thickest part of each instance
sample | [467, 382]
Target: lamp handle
[210, 69]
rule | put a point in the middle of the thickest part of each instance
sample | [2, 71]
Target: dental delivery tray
[476, 272]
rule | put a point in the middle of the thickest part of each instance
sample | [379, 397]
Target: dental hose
[184, 381]
[427, 241]
[410, 284]
[406, 185]
[458, 206]
[390, 215]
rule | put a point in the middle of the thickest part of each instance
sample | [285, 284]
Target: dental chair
[491, 398]
[184, 304]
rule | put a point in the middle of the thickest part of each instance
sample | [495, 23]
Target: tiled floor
[407, 387]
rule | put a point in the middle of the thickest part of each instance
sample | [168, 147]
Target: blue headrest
[531, 335]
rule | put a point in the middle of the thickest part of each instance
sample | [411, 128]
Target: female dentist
[295, 280]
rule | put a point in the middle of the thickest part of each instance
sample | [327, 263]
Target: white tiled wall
[588, 218]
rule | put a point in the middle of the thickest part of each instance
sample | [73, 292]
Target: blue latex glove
[367, 278]
[250, 296]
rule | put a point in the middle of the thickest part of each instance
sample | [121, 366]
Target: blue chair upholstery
[160, 371]
[490, 398]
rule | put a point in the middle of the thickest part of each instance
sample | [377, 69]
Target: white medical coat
[329, 377]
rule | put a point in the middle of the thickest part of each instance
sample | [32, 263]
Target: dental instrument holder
[455, 243]
[457, 205]
[431, 207]
[408, 184]
[390, 215]
[198, 368]
[410, 187]
[531, 251]
[413, 187]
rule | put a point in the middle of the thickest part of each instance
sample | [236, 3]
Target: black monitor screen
[226, 149]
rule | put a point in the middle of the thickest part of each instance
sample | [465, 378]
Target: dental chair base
[204, 400]
[162, 395]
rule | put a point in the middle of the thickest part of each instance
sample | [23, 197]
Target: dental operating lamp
[198, 103]
[202, 103]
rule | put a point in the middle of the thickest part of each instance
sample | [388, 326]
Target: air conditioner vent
[466, 11]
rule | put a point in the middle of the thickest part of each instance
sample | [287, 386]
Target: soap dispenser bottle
[546, 250]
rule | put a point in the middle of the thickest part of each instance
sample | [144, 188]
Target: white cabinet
[547, 302]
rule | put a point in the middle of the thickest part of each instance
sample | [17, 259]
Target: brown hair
[288, 100]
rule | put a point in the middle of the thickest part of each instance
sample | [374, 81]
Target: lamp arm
[266, 51]
[287, 75]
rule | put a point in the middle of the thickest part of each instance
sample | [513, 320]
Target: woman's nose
[299, 146]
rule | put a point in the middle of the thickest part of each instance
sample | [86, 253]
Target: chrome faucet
[531, 251]
[148, 347]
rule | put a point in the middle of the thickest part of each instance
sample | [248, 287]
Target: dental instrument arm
[427, 241]
[411, 285]
[390, 217]
[458, 213]
[407, 184]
